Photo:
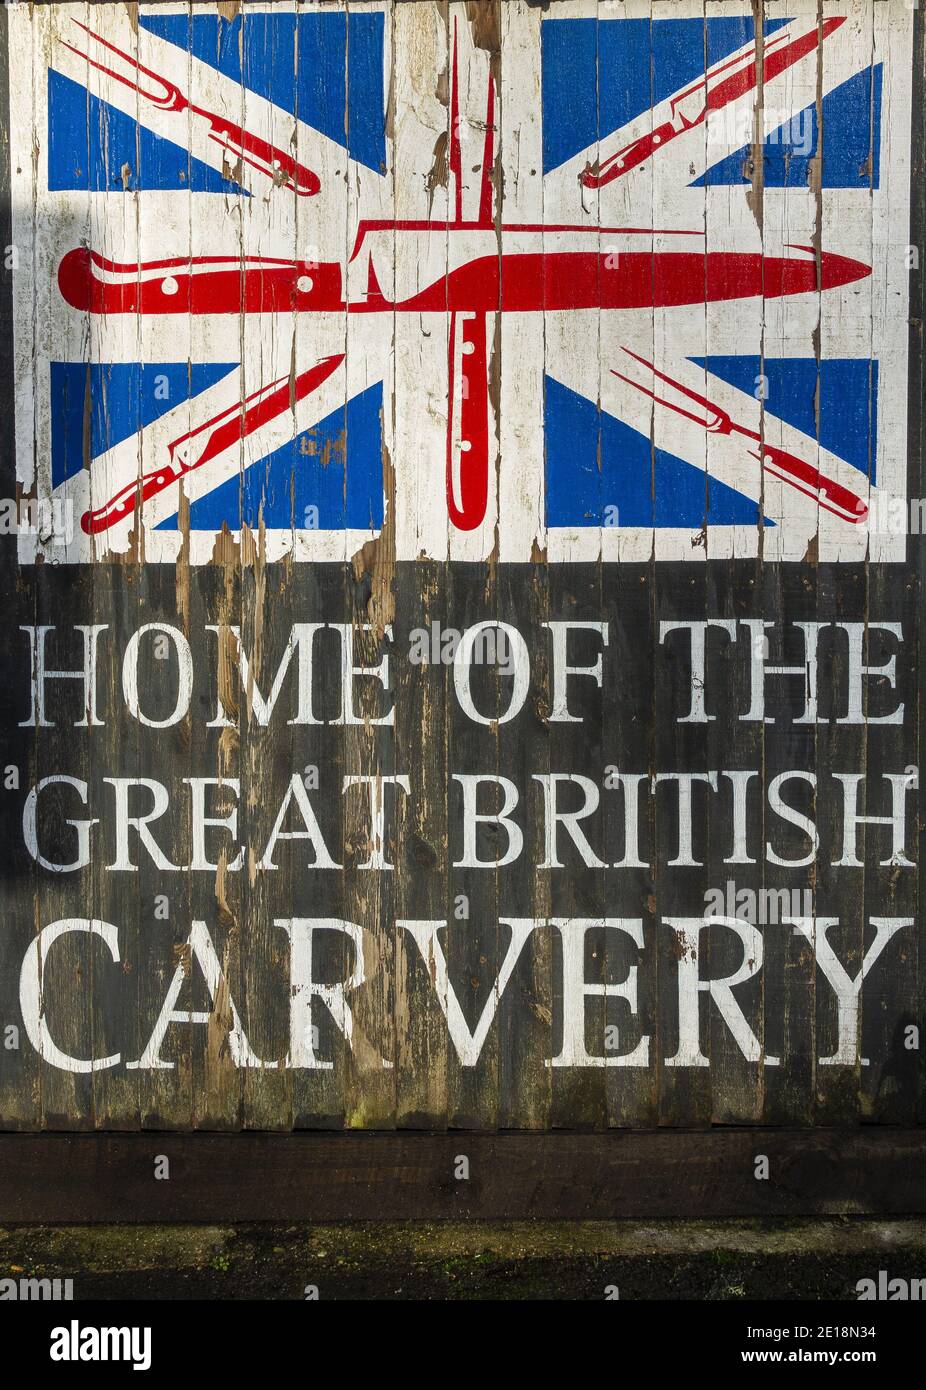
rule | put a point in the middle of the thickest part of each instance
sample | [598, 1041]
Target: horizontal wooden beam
[387, 1176]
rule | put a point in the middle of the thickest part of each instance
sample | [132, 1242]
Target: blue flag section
[834, 401]
[600, 472]
[329, 478]
[95, 146]
[95, 406]
[851, 145]
[327, 69]
[631, 64]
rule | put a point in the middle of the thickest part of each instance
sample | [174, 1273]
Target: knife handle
[833, 496]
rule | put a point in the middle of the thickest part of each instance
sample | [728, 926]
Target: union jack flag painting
[593, 280]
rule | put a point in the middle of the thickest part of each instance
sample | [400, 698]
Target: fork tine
[677, 385]
[635, 384]
[168, 89]
[723, 419]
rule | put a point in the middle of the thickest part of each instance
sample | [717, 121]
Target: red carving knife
[208, 440]
[724, 82]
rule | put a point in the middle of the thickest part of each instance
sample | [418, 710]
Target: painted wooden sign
[534, 236]
[462, 538]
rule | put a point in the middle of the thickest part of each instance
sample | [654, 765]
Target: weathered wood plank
[625, 1175]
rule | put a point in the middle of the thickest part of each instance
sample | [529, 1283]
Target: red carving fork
[831, 495]
[208, 440]
[269, 159]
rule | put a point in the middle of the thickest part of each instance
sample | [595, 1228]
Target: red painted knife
[208, 440]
